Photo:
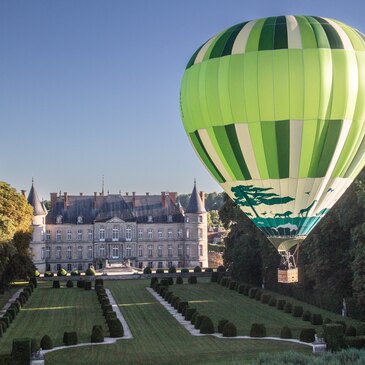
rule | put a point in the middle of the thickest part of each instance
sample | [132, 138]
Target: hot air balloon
[275, 109]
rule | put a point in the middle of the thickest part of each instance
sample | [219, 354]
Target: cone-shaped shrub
[214, 277]
[224, 281]
[288, 307]
[181, 306]
[307, 335]
[179, 280]
[229, 330]
[80, 283]
[194, 317]
[221, 324]
[153, 281]
[33, 281]
[70, 284]
[176, 304]
[97, 334]
[189, 313]
[206, 326]
[258, 330]
[233, 285]
[170, 280]
[198, 321]
[241, 288]
[115, 328]
[147, 270]
[70, 338]
[285, 332]
[172, 270]
[306, 316]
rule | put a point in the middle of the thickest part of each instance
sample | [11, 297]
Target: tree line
[331, 260]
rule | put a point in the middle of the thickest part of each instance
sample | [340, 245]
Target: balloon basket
[288, 276]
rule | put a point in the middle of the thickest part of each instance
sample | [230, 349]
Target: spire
[195, 203]
[34, 201]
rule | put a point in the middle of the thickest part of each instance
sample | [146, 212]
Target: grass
[54, 311]
[160, 339]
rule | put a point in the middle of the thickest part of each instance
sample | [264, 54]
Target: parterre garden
[158, 337]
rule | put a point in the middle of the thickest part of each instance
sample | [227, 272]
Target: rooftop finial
[32, 180]
[194, 181]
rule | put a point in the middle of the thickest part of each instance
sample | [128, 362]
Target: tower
[37, 245]
[196, 241]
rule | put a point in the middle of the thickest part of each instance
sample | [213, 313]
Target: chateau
[143, 230]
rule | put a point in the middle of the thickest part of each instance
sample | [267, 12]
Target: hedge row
[172, 270]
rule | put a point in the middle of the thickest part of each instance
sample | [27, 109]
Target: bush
[233, 285]
[46, 343]
[281, 304]
[184, 310]
[184, 270]
[172, 270]
[61, 272]
[12, 312]
[357, 342]
[258, 330]
[3, 326]
[115, 328]
[334, 336]
[5, 320]
[48, 274]
[33, 281]
[272, 302]
[181, 306]
[56, 284]
[177, 302]
[160, 271]
[174, 299]
[70, 338]
[265, 298]
[168, 295]
[224, 281]
[192, 280]
[198, 321]
[16, 306]
[1, 330]
[229, 330]
[21, 350]
[288, 307]
[99, 282]
[97, 334]
[110, 315]
[208, 269]
[179, 280]
[34, 346]
[252, 292]
[70, 284]
[350, 331]
[221, 324]
[189, 313]
[214, 277]
[75, 272]
[197, 269]
[343, 324]
[307, 335]
[316, 319]
[170, 281]
[164, 282]
[306, 316]
[241, 288]
[90, 272]
[327, 320]
[87, 285]
[154, 280]
[80, 283]
[147, 270]
[37, 274]
[221, 269]
[285, 332]
[206, 326]
[194, 317]
[297, 311]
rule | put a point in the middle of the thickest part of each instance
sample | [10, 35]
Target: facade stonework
[99, 230]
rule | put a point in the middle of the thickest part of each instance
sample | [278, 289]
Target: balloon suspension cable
[288, 260]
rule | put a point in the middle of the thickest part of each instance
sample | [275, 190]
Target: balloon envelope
[275, 109]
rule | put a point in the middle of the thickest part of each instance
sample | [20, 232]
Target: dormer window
[80, 220]
[150, 219]
[59, 219]
[169, 218]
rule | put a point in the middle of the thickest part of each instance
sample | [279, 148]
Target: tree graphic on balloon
[251, 196]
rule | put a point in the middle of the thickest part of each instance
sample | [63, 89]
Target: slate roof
[34, 201]
[195, 205]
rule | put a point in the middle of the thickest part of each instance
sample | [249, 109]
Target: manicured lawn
[53, 311]
[160, 339]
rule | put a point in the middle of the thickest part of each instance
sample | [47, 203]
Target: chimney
[163, 199]
[24, 193]
[173, 196]
[65, 200]
[94, 203]
[81, 194]
[202, 197]
[134, 199]
[147, 193]
[53, 199]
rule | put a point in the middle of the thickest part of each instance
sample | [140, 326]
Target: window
[69, 252]
[179, 264]
[150, 250]
[169, 218]
[115, 234]
[200, 250]
[169, 250]
[79, 252]
[200, 219]
[140, 233]
[89, 252]
[150, 219]
[140, 250]
[187, 233]
[90, 234]
[169, 264]
[159, 233]
[48, 235]
[159, 265]
[58, 236]
[140, 265]
[48, 252]
[42, 253]
[115, 252]
[102, 251]
[79, 267]
[159, 251]
[59, 219]
[150, 234]
[180, 250]
[179, 233]
[58, 267]
[69, 267]
[187, 250]
[42, 236]
[128, 251]
[69, 235]
[169, 234]
[200, 233]
[79, 234]
[80, 219]
[58, 252]
[150, 264]
[102, 234]
[187, 219]
[128, 233]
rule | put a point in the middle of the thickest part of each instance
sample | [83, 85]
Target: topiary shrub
[173, 300]
[241, 288]
[198, 321]
[327, 320]
[288, 307]
[194, 317]
[37, 274]
[168, 295]
[21, 350]
[99, 282]
[33, 281]
[80, 283]
[110, 315]
[224, 281]
[184, 270]
[285, 332]
[208, 269]
[343, 324]
[189, 313]
[75, 272]
[1, 330]
[61, 272]
[179, 280]
[160, 271]
[147, 270]
[258, 330]
[214, 277]
[97, 335]
[265, 298]
[233, 285]
[90, 272]
[87, 285]
[70, 284]
[172, 270]
[181, 306]
[48, 274]
[252, 293]
[56, 284]
[46, 343]
[281, 304]
[316, 319]
[177, 302]
[306, 316]
[6, 322]
[221, 269]
[229, 330]
[307, 335]
[197, 269]
[70, 338]
[3, 326]
[350, 331]
[154, 280]
[334, 336]
[297, 311]
[272, 302]
[184, 310]
[12, 312]
[206, 326]
[192, 280]
[258, 295]
[164, 282]
[170, 280]
[16, 306]
[357, 342]
[115, 328]
[221, 324]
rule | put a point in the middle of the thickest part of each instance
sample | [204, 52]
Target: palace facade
[143, 230]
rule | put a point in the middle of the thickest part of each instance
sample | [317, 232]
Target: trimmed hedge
[307, 335]
[147, 270]
[229, 330]
[272, 302]
[285, 332]
[297, 311]
[288, 307]
[194, 317]
[198, 321]
[56, 284]
[224, 281]
[172, 270]
[97, 335]
[206, 326]
[357, 342]
[265, 298]
[70, 284]
[252, 292]
[34, 345]
[306, 316]
[258, 330]
[334, 336]
[70, 338]
[115, 328]
[350, 331]
[179, 280]
[241, 288]
[21, 350]
[221, 324]
[46, 343]
[189, 313]
[181, 306]
[281, 304]
[233, 285]
[80, 283]
[316, 319]
[197, 269]
[87, 285]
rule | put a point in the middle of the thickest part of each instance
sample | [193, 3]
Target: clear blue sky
[92, 87]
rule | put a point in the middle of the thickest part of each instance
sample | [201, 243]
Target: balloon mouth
[286, 243]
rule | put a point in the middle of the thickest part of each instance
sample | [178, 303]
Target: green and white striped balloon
[275, 109]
